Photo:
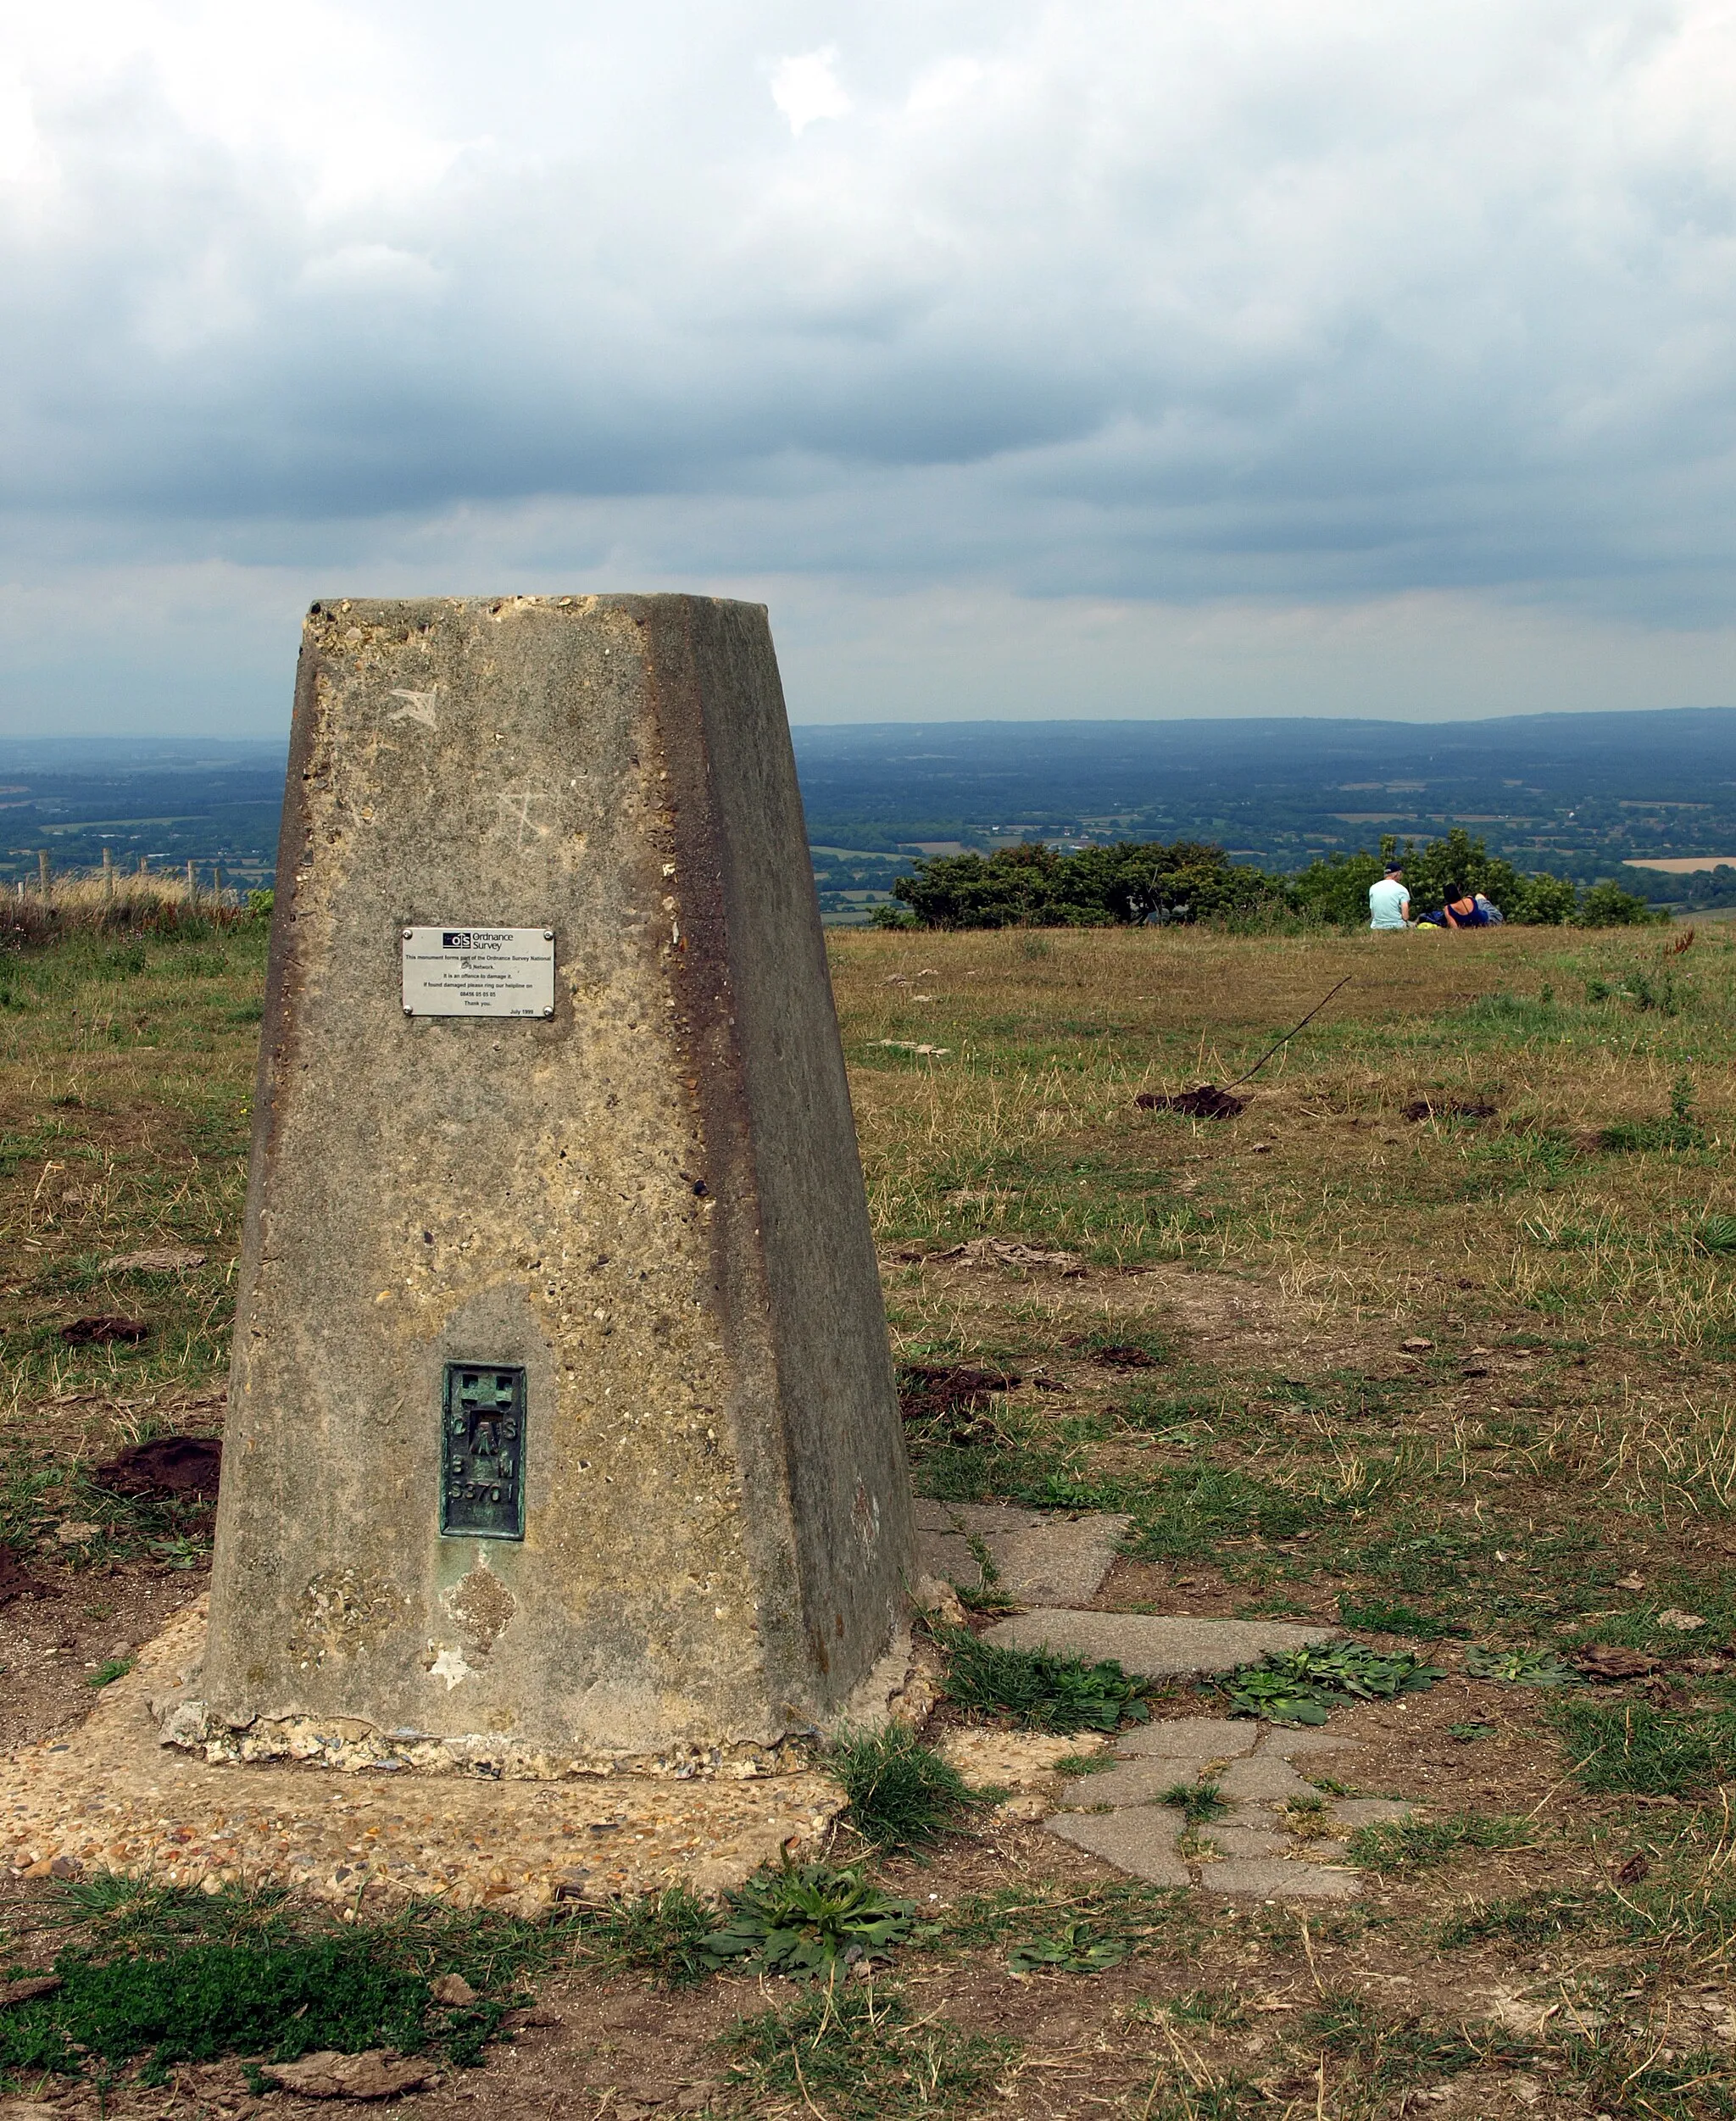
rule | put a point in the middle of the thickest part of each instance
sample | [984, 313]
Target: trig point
[561, 1427]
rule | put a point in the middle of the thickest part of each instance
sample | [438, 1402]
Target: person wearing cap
[1388, 902]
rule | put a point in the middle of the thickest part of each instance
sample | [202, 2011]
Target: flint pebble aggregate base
[109, 1797]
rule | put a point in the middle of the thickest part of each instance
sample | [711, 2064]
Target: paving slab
[1293, 1745]
[1270, 1878]
[1140, 1782]
[1263, 1778]
[1153, 1646]
[1244, 1841]
[1043, 1559]
[1180, 1738]
[1142, 1840]
[1356, 1811]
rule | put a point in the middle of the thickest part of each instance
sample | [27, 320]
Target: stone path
[1154, 1645]
[1279, 1836]
[1040, 1559]
[1277, 1839]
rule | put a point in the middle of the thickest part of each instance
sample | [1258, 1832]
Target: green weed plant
[1302, 1686]
[1075, 1949]
[804, 1919]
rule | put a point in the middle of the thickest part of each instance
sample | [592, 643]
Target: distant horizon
[211, 741]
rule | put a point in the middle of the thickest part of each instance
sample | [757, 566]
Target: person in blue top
[1388, 902]
[1461, 910]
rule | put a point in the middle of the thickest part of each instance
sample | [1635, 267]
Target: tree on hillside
[1335, 887]
[1037, 886]
[1134, 881]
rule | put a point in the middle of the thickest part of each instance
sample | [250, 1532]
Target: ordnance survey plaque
[459, 971]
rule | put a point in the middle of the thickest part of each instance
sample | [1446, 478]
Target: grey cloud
[1215, 299]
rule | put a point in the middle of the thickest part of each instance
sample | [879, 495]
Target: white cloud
[1231, 318]
[807, 88]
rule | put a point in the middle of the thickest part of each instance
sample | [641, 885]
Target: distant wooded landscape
[1580, 797]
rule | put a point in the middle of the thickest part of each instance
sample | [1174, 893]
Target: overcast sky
[1204, 357]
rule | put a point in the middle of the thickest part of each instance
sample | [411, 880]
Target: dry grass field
[1459, 1380]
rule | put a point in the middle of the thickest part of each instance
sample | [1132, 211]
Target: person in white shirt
[1388, 902]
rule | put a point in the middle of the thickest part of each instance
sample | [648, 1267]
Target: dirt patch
[16, 1580]
[949, 1402]
[1207, 1101]
[180, 1466]
[57, 1640]
[84, 1332]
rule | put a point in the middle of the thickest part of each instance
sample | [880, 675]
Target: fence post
[216, 884]
[193, 886]
[42, 877]
[108, 875]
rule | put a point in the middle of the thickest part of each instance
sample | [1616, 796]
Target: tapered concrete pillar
[561, 1419]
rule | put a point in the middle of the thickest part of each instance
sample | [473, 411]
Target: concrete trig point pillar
[561, 1421]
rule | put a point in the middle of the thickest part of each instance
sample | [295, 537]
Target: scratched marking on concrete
[518, 804]
[420, 707]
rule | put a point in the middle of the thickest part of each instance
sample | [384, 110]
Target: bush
[1335, 888]
[1187, 881]
[1133, 882]
[1606, 905]
[1541, 901]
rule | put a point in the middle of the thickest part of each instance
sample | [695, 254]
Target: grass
[902, 1795]
[665, 1935]
[1572, 1427]
[1198, 1802]
[1208, 2006]
[1385, 1616]
[1415, 1845]
[1635, 1748]
[1039, 1689]
[855, 2052]
[125, 1091]
[1141, 1915]
[1521, 1921]
[158, 1975]
[1388, 2051]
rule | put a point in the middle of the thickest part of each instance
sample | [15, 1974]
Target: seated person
[1461, 910]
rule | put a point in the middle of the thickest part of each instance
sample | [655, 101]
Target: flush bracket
[483, 1406]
